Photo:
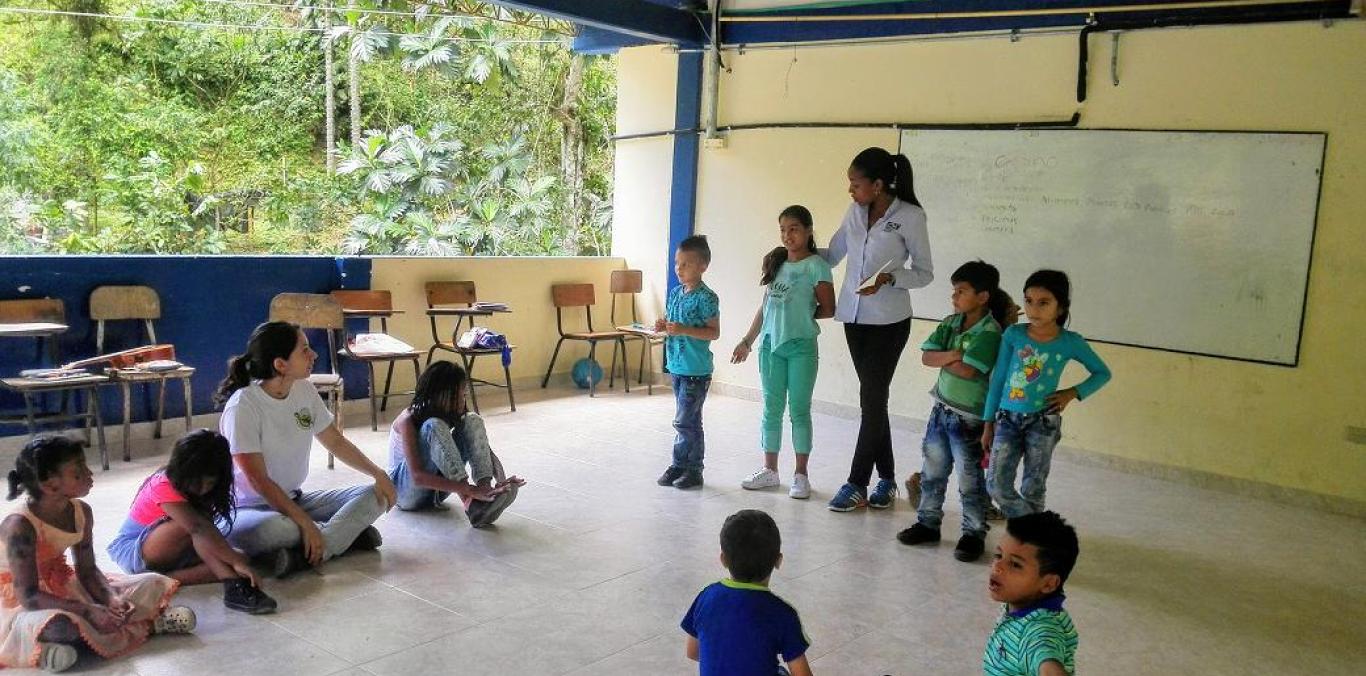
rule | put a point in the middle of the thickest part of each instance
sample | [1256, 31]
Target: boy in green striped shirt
[1034, 636]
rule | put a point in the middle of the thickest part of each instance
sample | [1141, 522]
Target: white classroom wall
[1258, 427]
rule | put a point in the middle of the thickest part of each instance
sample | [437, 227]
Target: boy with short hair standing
[693, 320]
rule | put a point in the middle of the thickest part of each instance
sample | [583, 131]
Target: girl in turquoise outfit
[800, 291]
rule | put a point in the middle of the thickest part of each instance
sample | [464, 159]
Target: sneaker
[56, 657]
[671, 475]
[801, 487]
[848, 498]
[483, 514]
[175, 620]
[368, 541]
[995, 514]
[970, 548]
[287, 561]
[761, 479]
[918, 534]
[690, 479]
[238, 594]
[883, 495]
[913, 490]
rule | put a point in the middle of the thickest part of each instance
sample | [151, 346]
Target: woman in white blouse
[885, 239]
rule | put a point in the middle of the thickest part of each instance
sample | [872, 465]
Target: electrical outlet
[1356, 435]
[715, 142]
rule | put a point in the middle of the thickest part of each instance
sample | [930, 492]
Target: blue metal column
[683, 190]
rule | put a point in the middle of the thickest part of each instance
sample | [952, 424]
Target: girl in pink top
[173, 525]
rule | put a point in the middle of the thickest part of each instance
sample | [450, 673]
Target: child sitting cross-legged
[48, 608]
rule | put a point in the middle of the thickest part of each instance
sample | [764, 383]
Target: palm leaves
[419, 199]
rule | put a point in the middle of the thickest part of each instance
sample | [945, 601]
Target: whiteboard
[1194, 242]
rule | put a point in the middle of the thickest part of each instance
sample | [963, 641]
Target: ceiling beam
[632, 17]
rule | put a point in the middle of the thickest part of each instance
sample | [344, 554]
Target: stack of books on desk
[491, 306]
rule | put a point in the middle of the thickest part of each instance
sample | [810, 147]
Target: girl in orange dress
[48, 608]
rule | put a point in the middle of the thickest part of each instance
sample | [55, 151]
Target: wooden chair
[457, 299]
[630, 282]
[137, 303]
[317, 311]
[581, 295]
[371, 304]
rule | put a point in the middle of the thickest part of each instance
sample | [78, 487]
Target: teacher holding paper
[884, 236]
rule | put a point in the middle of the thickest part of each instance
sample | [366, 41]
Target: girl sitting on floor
[432, 441]
[47, 608]
[171, 525]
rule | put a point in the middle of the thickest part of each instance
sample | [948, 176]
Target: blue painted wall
[209, 306]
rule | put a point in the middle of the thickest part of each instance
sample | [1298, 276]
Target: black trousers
[875, 349]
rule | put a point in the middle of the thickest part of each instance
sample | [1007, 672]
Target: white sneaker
[801, 487]
[761, 479]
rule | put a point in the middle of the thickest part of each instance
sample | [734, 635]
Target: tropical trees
[477, 134]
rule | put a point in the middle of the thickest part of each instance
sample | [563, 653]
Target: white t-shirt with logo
[281, 430]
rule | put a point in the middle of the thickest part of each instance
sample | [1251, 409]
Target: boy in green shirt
[963, 347]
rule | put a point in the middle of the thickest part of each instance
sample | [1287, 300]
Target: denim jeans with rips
[953, 439]
[1027, 437]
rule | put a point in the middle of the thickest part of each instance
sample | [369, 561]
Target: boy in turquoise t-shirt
[963, 347]
[693, 320]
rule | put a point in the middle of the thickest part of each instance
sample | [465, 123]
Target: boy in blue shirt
[693, 320]
[1034, 636]
[737, 627]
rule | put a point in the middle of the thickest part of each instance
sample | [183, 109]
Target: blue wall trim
[209, 306]
[683, 190]
[652, 20]
[805, 31]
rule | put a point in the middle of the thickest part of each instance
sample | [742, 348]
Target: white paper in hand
[867, 283]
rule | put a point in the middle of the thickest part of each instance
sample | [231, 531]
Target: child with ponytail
[800, 290]
[48, 607]
[271, 415]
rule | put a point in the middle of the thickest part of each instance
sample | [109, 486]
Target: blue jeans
[951, 438]
[690, 392]
[341, 514]
[1031, 437]
[444, 452]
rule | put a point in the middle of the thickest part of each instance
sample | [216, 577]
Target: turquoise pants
[788, 375]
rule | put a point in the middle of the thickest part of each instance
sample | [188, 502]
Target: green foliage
[143, 137]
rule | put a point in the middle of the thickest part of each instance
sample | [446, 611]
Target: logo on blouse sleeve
[304, 417]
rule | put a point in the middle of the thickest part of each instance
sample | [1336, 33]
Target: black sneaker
[287, 561]
[368, 541]
[918, 534]
[970, 548]
[483, 514]
[238, 594]
[671, 475]
[690, 479]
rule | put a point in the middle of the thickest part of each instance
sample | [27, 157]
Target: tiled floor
[591, 570]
